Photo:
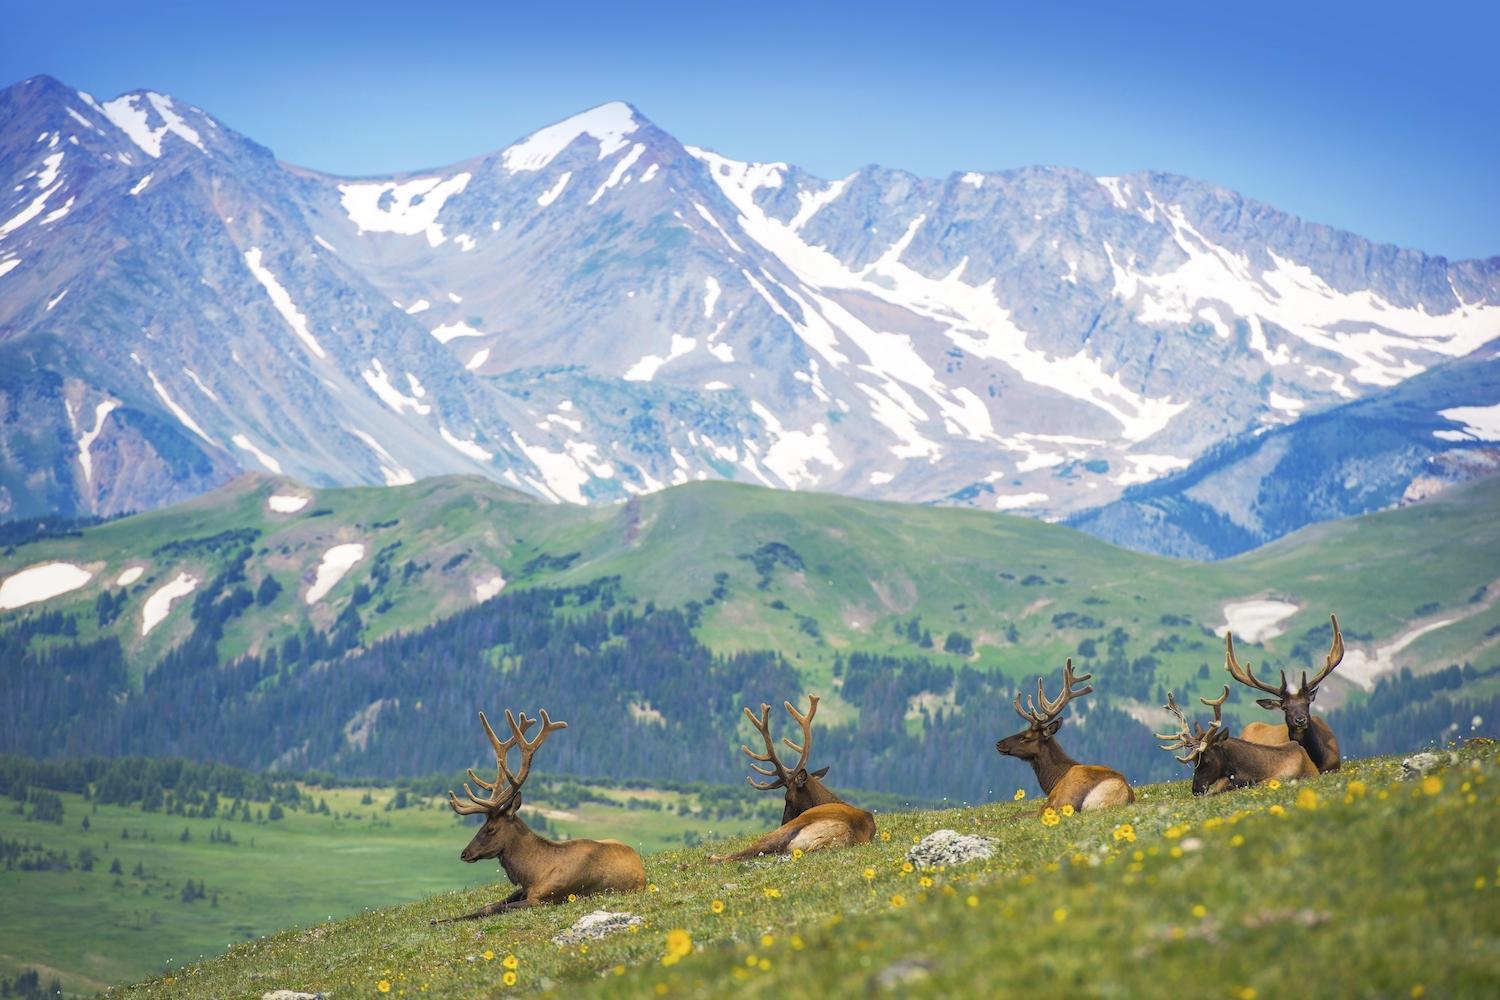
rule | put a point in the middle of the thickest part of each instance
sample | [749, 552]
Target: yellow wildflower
[925, 882]
[750, 961]
[510, 962]
[797, 943]
[1049, 817]
[1432, 784]
[1479, 882]
[717, 906]
[1060, 914]
[679, 945]
[796, 853]
[771, 892]
[1238, 840]
[1174, 832]
[898, 901]
[618, 970]
[651, 887]
[1124, 832]
[1276, 810]
[1020, 794]
[869, 873]
[1418, 991]
[1307, 799]
[1356, 789]
[1200, 911]
[384, 986]
[572, 897]
[906, 868]
[885, 835]
[767, 941]
[509, 979]
[488, 955]
[1273, 784]
[765, 965]
[1245, 993]
[1067, 809]
[972, 901]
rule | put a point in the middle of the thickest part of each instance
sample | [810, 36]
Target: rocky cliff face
[597, 311]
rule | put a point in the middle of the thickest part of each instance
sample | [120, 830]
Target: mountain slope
[597, 311]
[1392, 447]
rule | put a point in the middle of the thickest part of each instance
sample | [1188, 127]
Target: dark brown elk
[545, 871]
[814, 817]
[1301, 726]
[1221, 762]
[1064, 781]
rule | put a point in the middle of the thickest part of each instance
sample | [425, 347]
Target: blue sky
[1384, 120]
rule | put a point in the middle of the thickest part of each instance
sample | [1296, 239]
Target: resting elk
[814, 817]
[546, 871]
[1301, 725]
[1221, 762]
[1064, 781]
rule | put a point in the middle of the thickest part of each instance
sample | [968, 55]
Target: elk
[814, 817]
[1064, 781]
[1301, 726]
[546, 871]
[1221, 762]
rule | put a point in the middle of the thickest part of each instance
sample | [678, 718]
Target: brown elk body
[814, 817]
[544, 871]
[1301, 726]
[1064, 781]
[1221, 762]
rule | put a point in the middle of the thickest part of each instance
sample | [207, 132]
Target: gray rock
[1426, 762]
[593, 926]
[944, 848]
[292, 995]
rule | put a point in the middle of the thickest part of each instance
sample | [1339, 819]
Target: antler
[1051, 709]
[779, 771]
[1183, 739]
[500, 799]
[1333, 659]
[1244, 674]
[1217, 705]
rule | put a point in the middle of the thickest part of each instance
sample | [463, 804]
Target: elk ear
[820, 772]
[514, 805]
[1051, 728]
[1271, 703]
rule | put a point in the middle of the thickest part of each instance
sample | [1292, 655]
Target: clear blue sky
[1381, 119]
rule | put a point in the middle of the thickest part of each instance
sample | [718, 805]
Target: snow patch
[1255, 621]
[548, 196]
[245, 444]
[134, 120]
[973, 179]
[469, 448]
[1481, 423]
[380, 383]
[421, 305]
[395, 474]
[336, 562]
[406, 208]
[282, 301]
[177, 411]
[286, 503]
[140, 185]
[710, 296]
[1363, 667]
[87, 438]
[645, 369]
[607, 124]
[485, 589]
[477, 361]
[41, 583]
[155, 610]
[793, 452]
[1018, 500]
[129, 576]
[1144, 468]
[452, 331]
[623, 165]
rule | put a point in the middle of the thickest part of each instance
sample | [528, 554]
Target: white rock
[592, 926]
[949, 847]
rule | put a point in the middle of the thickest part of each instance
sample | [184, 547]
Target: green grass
[1351, 884]
[93, 929]
[866, 568]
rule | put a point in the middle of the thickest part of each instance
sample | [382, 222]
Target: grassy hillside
[810, 575]
[302, 868]
[1351, 884]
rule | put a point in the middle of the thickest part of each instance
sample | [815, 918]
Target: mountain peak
[607, 124]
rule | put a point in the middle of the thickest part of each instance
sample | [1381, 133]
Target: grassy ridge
[856, 571]
[1350, 884]
[297, 870]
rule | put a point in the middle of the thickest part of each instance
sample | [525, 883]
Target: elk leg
[514, 901]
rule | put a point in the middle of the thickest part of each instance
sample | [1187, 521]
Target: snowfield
[41, 583]
[1255, 621]
[336, 562]
[161, 600]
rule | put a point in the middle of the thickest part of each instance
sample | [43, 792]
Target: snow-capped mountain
[597, 311]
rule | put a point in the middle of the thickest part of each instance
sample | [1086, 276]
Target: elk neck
[525, 854]
[1317, 739]
[1050, 764]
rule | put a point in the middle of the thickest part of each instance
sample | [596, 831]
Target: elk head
[1296, 704]
[501, 824]
[1042, 723]
[1205, 747]
[804, 789]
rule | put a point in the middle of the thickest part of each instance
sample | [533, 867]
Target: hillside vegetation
[1351, 884]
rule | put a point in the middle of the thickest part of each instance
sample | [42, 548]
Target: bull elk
[1221, 762]
[814, 817]
[546, 871]
[1064, 781]
[1301, 726]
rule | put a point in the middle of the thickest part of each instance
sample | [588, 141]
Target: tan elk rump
[1300, 725]
[814, 817]
[1064, 781]
[546, 871]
